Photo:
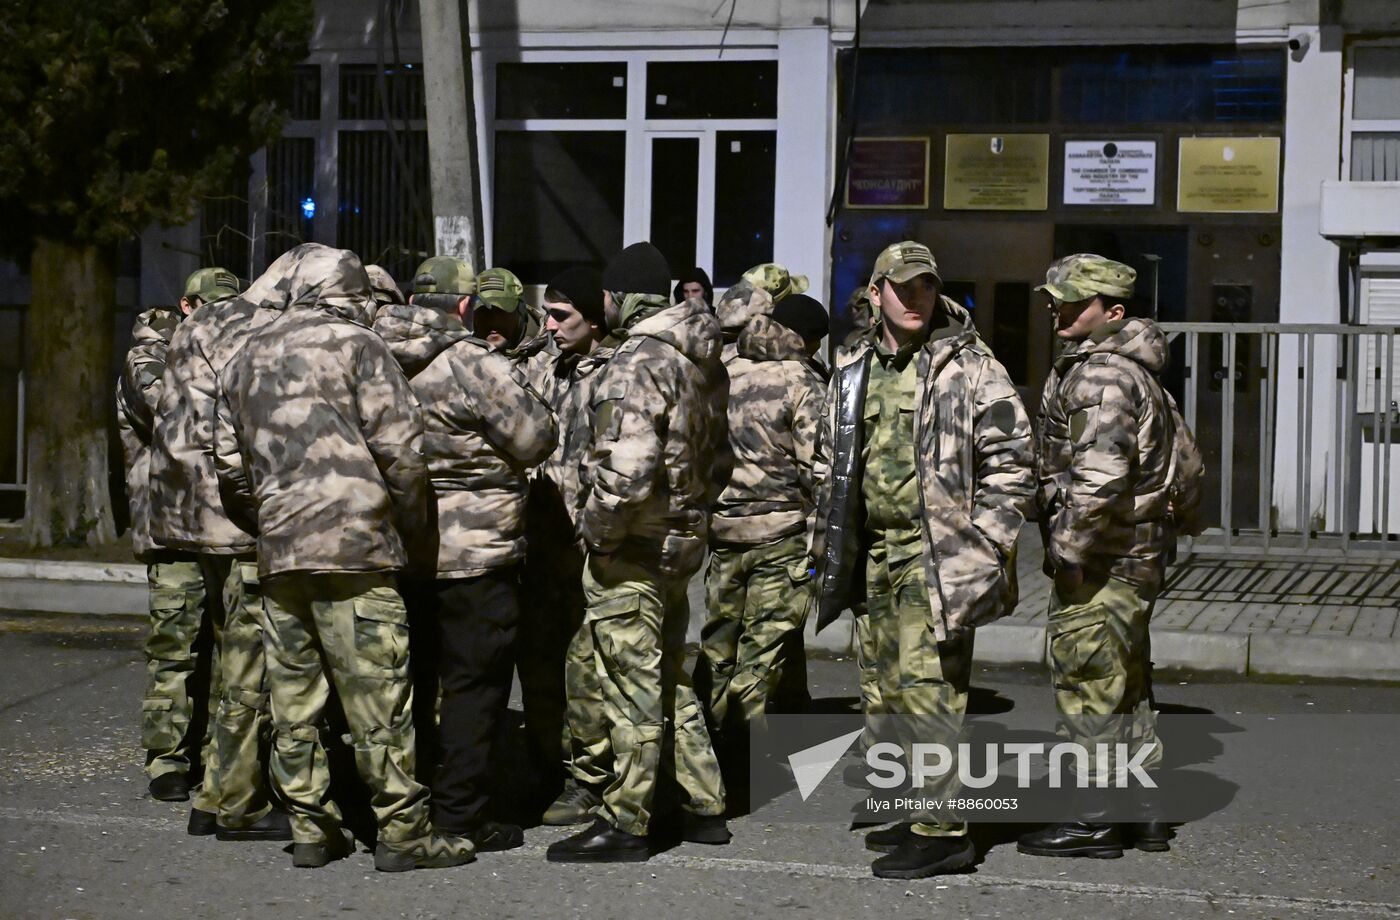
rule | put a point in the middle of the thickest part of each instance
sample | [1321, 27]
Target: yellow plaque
[1228, 175]
[997, 172]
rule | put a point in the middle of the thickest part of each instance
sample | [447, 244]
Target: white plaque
[1107, 173]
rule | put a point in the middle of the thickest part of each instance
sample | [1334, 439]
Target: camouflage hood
[417, 334]
[155, 327]
[740, 304]
[534, 337]
[688, 328]
[765, 339]
[331, 281]
[949, 332]
[1139, 339]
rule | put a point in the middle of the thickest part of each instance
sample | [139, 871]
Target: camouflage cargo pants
[637, 619]
[243, 722]
[863, 642]
[1101, 664]
[922, 684]
[757, 596]
[180, 667]
[349, 630]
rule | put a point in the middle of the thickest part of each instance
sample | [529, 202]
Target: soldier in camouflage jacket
[758, 586]
[320, 437]
[924, 481]
[658, 426]
[1108, 461]
[484, 429]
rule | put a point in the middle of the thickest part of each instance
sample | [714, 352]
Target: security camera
[1298, 45]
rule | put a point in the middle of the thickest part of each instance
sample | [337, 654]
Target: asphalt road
[79, 838]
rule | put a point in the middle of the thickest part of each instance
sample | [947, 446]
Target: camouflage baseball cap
[499, 288]
[903, 262]
[445, 275]
[211, 284]
[1085, 275]
[776, 280]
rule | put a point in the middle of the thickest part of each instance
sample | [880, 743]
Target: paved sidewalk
[1282, 617]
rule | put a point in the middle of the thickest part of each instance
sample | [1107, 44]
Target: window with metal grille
[291, 191]
[360, 87]
[304, 98]
[223, 226]
[383, 213]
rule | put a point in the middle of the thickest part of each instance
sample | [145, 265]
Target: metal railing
[1301, 432]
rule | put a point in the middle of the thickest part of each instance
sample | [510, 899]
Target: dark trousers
[476, 620]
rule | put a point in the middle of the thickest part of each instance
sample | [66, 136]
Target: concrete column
[805, 115]
[1308, 285]
[447, 78]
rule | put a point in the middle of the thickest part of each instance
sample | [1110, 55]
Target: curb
[116, 588]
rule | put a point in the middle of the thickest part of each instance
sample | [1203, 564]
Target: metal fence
[1301, 431]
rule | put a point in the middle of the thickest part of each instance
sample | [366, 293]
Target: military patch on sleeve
[1002, 415]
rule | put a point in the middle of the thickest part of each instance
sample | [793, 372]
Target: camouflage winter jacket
[483, 428]
[656, 462]
[138, 393]
[417, 334]
[975, 462]
[1104, 455]
[568, 389]
[319, 435]
[775, 405]
[187, 512]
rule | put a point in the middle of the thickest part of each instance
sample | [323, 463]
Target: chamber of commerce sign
[1107, 173]
[888, 172]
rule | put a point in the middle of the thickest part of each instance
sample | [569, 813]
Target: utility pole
[452, 153]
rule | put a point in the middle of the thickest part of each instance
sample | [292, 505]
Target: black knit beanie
[583, 286]
[638, 269]
[803, 315]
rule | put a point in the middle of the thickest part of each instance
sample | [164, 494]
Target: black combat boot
[888, 839]
[921, 857]
[600, 843]
[711, 829]
[202, 823]
[495, 836]
[275, 825]
[1150, 836]
[170, 787]
[1078, 838]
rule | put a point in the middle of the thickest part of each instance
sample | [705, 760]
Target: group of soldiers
[363, 514]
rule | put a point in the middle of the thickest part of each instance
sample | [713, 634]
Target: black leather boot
[316, 855]
[202, 823]
[1150, 836]
[710, 829]
[275, 825]
[888, 839]
[600, 843]
[922, 857]
[1078, 838]
[170, 787]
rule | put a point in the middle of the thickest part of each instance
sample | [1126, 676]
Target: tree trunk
[69, 389]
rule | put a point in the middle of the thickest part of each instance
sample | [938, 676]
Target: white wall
[806, 111]
[1308, 286]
